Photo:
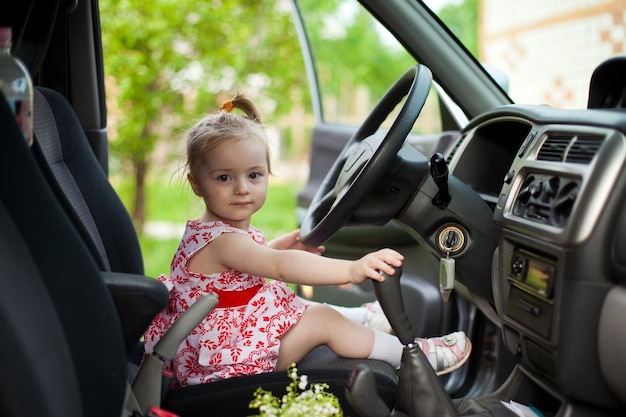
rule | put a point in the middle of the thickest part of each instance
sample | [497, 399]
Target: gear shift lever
[389, 295]
[420, 393]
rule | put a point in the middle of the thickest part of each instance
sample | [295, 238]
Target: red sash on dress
[228, 299]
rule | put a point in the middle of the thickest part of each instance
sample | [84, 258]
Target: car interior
[527, 200]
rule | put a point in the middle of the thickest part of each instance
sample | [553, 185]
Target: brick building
[549, 48]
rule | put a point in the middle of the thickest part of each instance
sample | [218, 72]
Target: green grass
[173, 203]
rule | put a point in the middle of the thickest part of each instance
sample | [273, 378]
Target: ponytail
[244, 104]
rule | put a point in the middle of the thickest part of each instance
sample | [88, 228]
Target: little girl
[260, 325]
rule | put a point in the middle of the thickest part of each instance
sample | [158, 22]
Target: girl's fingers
[377, 276]
[384, 261]
[391, 257]
[377, 272]
[387, 269]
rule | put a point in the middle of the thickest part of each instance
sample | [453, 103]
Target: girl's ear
[194, 185]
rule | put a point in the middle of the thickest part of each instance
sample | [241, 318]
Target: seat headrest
[607, 89]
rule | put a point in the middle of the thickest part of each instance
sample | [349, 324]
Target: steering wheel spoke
[327, 202]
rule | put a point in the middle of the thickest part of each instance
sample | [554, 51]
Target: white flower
[312, 402]
[304, 379]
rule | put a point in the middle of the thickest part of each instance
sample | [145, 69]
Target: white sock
[386, 348]
[354, 314]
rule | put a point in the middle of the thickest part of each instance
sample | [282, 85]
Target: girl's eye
[254, 175]
[223, 178]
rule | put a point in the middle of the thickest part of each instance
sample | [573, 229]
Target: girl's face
[233, 182]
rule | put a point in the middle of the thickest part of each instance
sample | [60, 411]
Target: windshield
[540, 53]
[547, 50]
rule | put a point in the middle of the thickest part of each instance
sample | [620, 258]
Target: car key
[446, 276]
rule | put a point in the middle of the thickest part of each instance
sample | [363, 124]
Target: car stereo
[532, 273]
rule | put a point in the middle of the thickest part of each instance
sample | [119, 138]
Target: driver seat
[77, 340]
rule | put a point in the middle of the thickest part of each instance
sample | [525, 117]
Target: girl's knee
[322, 312]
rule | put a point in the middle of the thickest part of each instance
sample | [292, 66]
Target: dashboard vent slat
[566, 147]
[584, 149]
[554, 147]
[455, 148]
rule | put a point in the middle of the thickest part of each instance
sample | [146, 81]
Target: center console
[559, 201]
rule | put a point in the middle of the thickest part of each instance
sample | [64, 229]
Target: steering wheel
[366, 158]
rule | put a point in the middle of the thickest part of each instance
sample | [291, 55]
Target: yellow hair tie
[227, 106]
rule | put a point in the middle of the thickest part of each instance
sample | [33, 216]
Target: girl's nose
[241, 187]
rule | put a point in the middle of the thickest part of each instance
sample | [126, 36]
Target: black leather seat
[37, 377]
[65, 344]
[97, 213]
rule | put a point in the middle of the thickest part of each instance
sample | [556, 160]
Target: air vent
[564, 202]
[455, 148]
[555, 146]
[584, 149]
[546, 199]
[567, 147]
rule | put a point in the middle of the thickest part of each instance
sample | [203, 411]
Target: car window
[355, 61]
[546, 50]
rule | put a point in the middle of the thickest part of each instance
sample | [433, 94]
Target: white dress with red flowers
[232, 340]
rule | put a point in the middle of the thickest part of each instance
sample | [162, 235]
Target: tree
[167, 63]
[462, 19]
[347, 40]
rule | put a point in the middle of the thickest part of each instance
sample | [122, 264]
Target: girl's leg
[369, 315]
[322, 325]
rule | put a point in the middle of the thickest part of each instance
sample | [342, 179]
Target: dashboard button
[508, 178]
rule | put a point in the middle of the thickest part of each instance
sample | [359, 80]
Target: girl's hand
[372, 264]
[292, 241]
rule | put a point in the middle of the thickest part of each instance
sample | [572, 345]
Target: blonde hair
[217, 128]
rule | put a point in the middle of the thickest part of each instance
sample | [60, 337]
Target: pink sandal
[446, 353]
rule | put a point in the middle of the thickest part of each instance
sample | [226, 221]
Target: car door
[351, 61]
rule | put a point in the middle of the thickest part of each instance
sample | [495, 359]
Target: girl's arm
[292, 241]
[239, 252]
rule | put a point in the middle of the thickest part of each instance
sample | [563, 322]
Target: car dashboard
[555, 181]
